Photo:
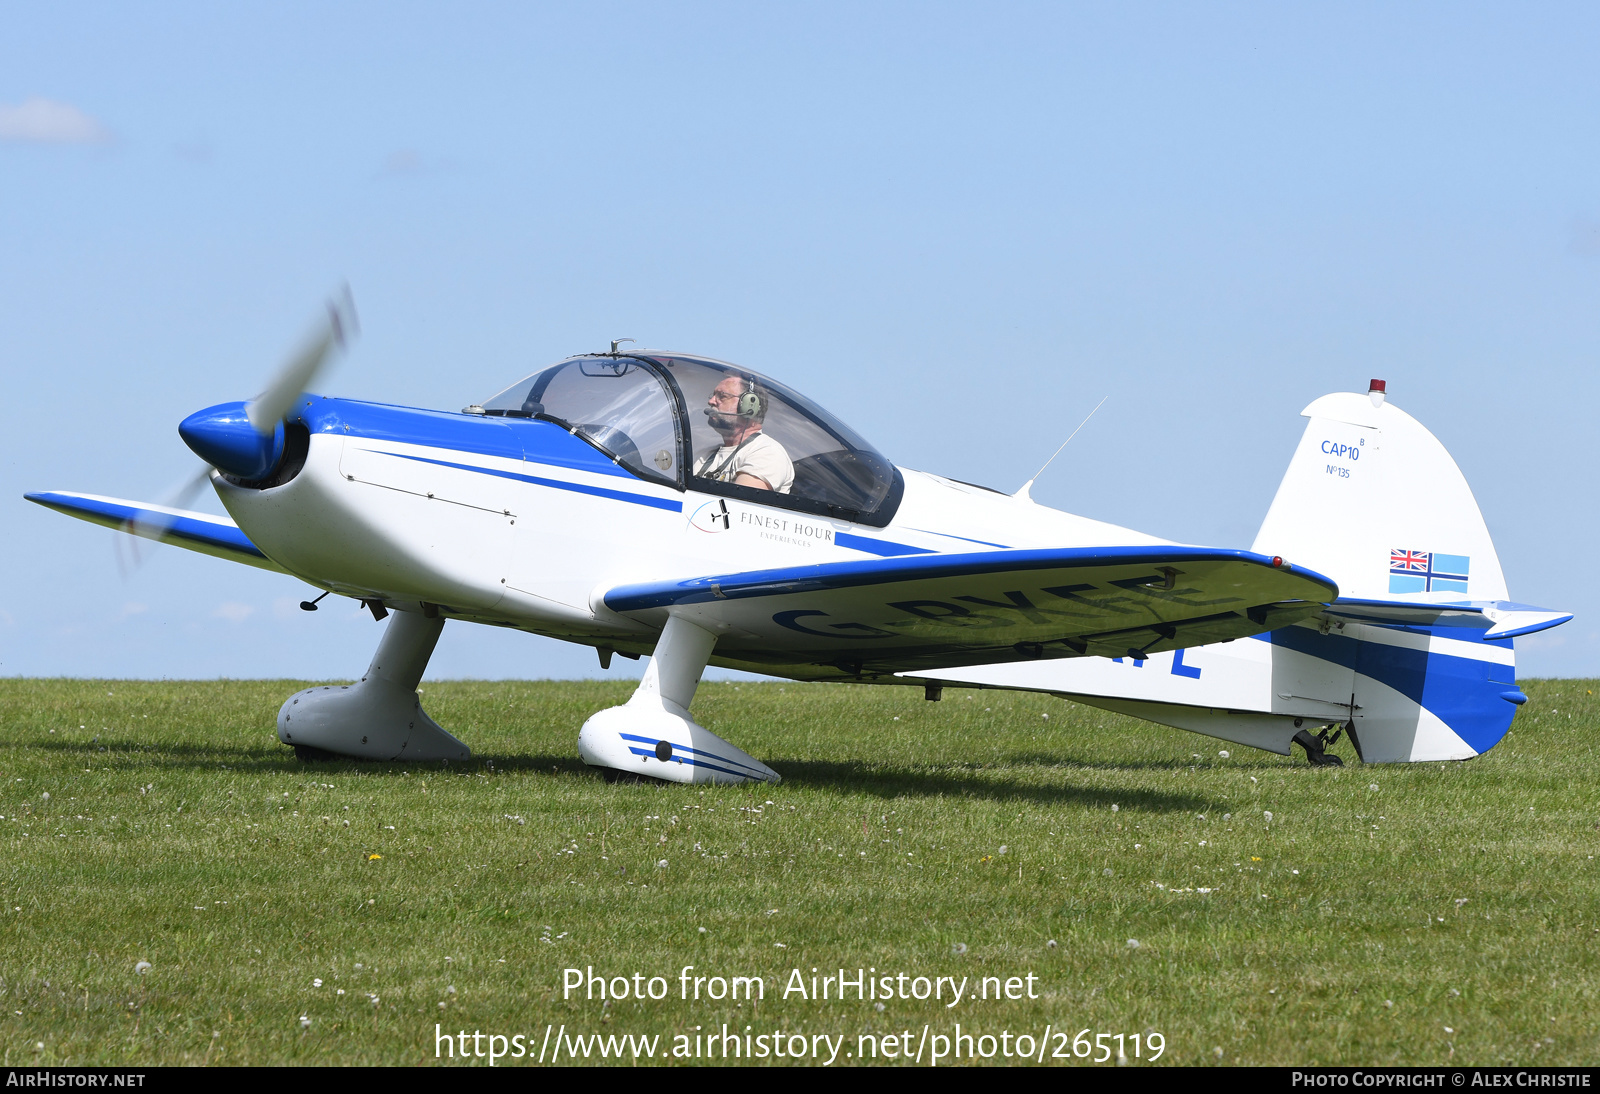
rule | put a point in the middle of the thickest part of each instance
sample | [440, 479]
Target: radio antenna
[1023, 493]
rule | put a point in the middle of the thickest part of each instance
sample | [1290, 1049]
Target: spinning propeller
[246, 440]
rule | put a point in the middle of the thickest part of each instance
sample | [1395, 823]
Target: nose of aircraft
[223, 436]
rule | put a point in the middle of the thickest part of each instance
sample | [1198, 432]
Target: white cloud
[233, 611]
[45, 121]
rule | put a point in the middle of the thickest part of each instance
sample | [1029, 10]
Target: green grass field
[1417, 914]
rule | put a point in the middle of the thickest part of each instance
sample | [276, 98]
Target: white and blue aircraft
[675, 506]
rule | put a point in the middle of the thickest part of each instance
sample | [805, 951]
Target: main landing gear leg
[379, 718]
[653, 734]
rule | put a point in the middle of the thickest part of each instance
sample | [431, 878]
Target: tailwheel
[1317, 753]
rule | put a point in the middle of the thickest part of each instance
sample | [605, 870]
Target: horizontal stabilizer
[1507, 620]
[879, 616]
[202, 532]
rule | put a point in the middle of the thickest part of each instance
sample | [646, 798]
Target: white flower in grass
[1004, 850]
[305, 1023]
[316, 982]
[1223, 754]
[1268, 815]
[662, 865]
[1107, 872]
[959, 948]
[1050, 945]
[1114, 808]
[878, 1007]
[1133, 943]
[140, 967]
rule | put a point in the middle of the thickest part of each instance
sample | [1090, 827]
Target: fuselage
[519, 522]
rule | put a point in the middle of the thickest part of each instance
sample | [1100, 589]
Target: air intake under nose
[223, 436]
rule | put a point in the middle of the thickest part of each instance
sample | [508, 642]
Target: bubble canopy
[668, 418]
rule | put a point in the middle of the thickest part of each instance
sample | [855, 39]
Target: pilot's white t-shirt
[758, 455]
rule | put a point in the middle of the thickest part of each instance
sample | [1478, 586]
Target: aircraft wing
[888, 615]
[201, 532]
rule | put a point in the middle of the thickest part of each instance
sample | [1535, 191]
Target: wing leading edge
[202, 532]
[880, 616]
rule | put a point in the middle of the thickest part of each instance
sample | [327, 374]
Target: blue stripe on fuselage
[669, 504]
[507, 438]
[1463, 692]
[883, 548]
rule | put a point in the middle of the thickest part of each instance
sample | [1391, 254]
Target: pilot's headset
[753, 403]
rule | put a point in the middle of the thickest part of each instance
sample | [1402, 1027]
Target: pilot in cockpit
[736, 409]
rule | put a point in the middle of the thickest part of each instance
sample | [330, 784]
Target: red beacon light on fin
[1277, 560]
[1376, 390]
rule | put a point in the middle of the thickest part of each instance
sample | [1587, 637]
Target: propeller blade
[266, 410]
[131, 554]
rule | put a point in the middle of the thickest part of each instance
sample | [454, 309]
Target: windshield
[619, 405]
[714, 427]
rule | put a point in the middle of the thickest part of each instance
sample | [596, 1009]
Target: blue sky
[956, 226]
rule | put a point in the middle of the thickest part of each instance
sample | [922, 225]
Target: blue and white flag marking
[1427, 572]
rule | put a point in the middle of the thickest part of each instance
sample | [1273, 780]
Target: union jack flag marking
[1403, 561]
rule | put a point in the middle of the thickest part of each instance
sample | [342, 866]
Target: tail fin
[1373, 500]
[1414, 659]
